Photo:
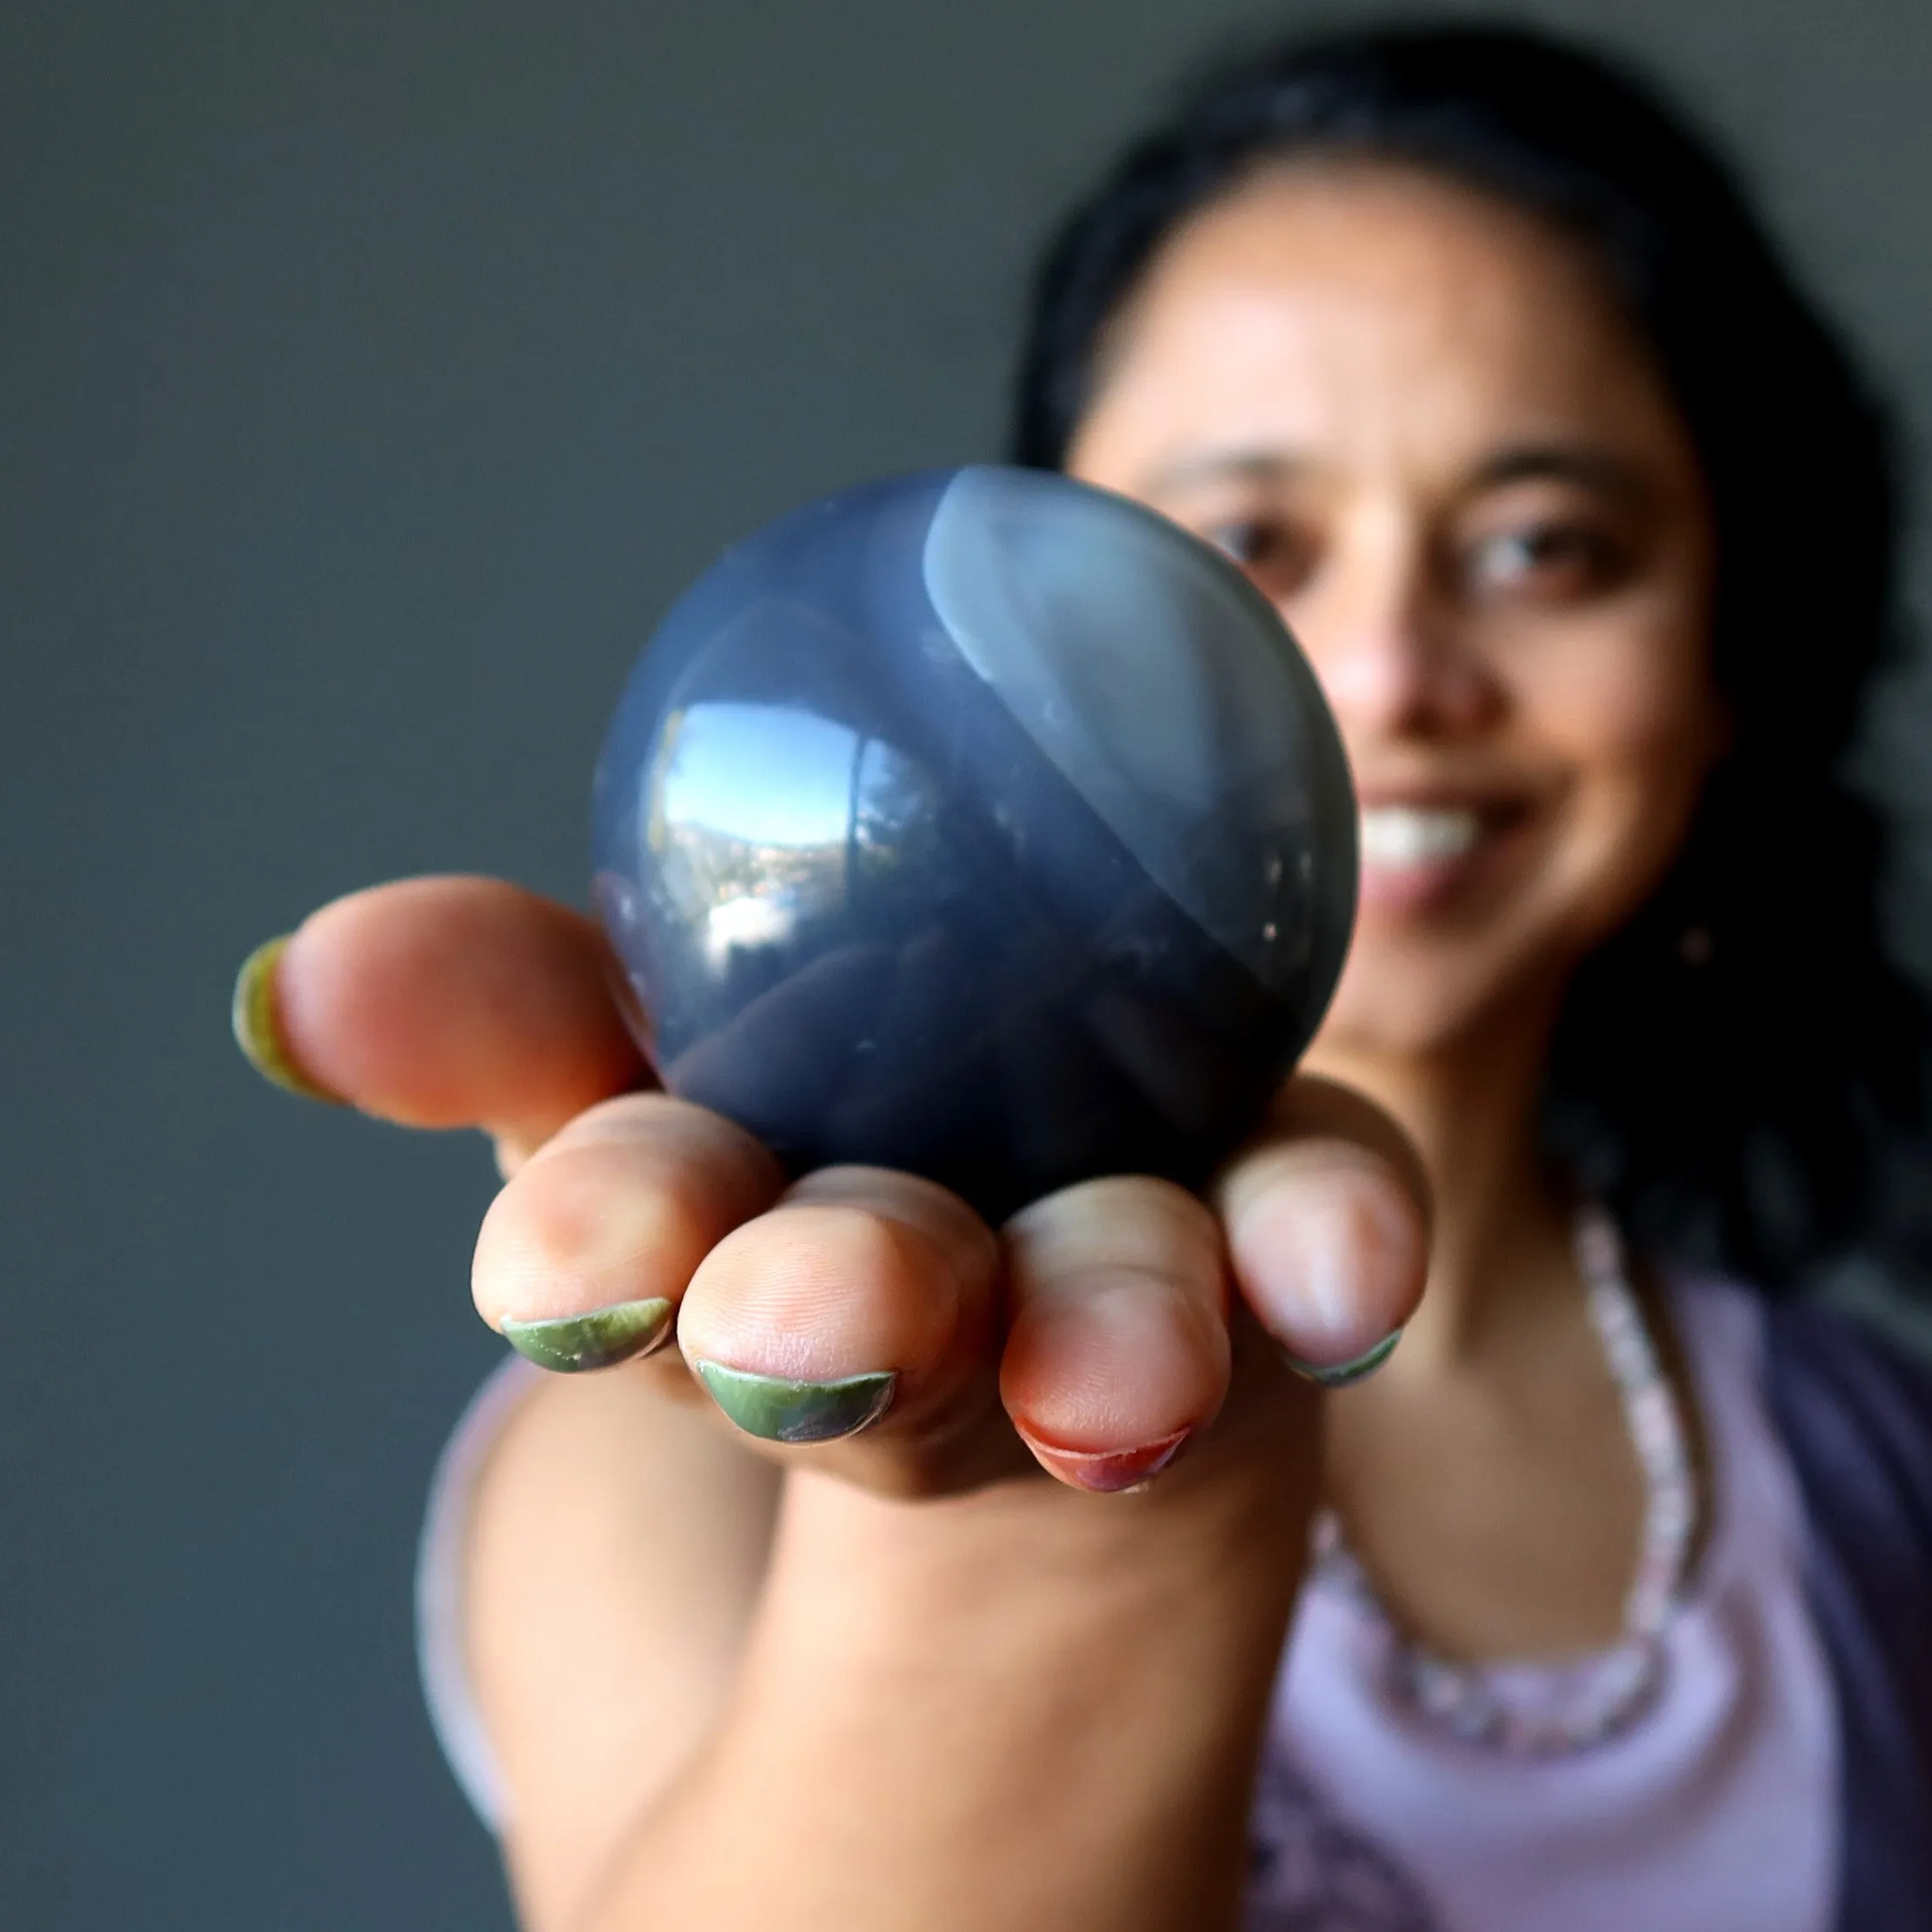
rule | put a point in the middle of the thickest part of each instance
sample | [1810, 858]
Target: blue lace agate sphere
[978, 824]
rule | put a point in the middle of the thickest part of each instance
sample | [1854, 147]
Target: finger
[585, 1256]
[443, 1002]
[863, 1306]
[1117, 1351]
[1327, 1218]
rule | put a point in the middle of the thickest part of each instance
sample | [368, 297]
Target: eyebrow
[1257, 466]
[1582, 463]
[1594, 467]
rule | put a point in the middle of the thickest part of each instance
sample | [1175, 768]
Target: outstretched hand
[864, 1321]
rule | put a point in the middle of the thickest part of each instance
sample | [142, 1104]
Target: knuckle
[809, 1260]
[946, 1227]
[582, 1226]
[1122, 1222]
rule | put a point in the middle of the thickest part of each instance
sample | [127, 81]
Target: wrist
[1218, 1536]
[1023, 1707]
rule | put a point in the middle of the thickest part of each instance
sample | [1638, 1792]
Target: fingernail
[570, 1343]
[1108, 1471]
[779, 1410]
[1339, 1375]
[258, 1025]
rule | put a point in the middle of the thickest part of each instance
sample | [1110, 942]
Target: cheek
[1636, 729]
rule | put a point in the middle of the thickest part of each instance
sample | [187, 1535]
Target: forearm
[1027, 1708]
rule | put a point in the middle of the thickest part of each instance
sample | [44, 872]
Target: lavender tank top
[1783, 1780]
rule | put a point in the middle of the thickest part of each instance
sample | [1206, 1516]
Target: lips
[1419, 853]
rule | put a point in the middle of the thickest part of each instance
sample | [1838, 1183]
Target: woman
[1474, 362]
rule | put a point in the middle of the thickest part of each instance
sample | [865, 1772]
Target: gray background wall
[371, 375]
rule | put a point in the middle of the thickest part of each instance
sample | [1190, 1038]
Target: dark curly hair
[1737, 1070]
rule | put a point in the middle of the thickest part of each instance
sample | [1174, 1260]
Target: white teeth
[1395, 836]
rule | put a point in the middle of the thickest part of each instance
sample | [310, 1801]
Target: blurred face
[1416, 419]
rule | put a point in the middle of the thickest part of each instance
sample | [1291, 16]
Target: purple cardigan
[1856, 1419]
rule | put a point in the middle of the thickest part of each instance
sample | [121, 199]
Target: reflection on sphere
[978, 824]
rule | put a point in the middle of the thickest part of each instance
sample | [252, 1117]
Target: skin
[950, 1686]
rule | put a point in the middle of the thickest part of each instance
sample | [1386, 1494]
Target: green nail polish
[258, 1025]
[1340, 1373]
[569, 1343]
[779, 1410]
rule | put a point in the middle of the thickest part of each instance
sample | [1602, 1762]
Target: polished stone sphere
[978, 824]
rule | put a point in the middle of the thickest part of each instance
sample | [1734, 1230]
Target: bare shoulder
[617, 1545]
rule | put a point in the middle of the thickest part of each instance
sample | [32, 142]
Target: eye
[1549, 562]
[1277, 557]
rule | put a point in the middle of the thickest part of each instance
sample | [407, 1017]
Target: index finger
[446, 1001]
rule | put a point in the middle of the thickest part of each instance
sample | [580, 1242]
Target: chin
[1408, 1024]
[1404, 1004]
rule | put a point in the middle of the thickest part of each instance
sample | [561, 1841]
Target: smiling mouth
[1399, 838]
[1416, 857]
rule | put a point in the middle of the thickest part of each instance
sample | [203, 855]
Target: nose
[1391, 655]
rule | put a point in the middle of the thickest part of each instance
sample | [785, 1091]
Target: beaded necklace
[1616, 1687]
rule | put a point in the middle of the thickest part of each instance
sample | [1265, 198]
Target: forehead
[1374, 310]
